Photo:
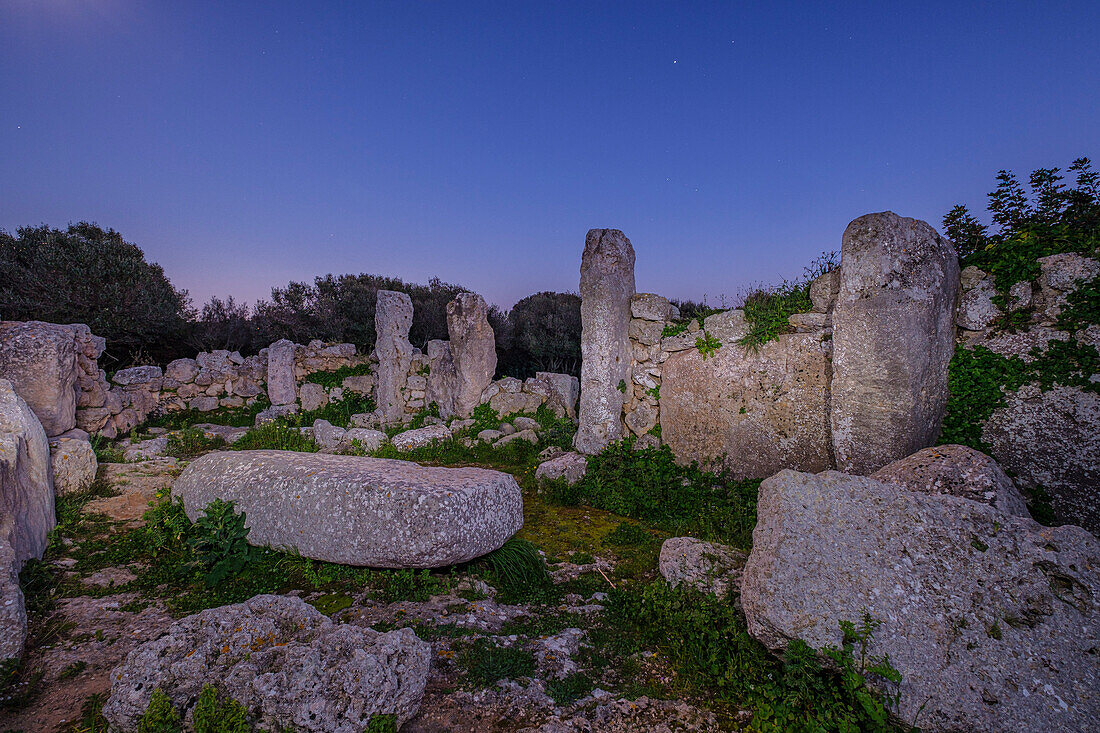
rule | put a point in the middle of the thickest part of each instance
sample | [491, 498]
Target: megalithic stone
[392, 321]
[473, 348]
[893, 337]
[281, 385]
[607, 285]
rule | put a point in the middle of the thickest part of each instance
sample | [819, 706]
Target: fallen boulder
[991, 619]
[705, 566]
[289, 665]
[26, 481]
[74, 462]
[376, 512]
[959, 471]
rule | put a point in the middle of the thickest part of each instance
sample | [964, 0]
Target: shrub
[220, 542]
[161, 716]
[214, 714]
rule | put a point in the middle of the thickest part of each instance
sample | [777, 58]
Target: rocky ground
[90, 614]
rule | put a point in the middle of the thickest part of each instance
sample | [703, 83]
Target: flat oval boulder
[375, 512]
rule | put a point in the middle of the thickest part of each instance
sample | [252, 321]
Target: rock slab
[991, 619]
[39, 359]
[289, 665]
[473, 348]
[281, 388]
[705, 566]
[607, 286]
[374, 512]
[893, 336]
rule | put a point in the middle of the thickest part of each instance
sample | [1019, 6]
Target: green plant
[626, 534]
[570, 688]
[106, 451]
[767, 311]
[707, 344]
[91, 715]
[220, 541]
[161, 716]
[72, 670]
[275, 436]
[517, 568]
[240, 417]
[655, 393]
[621, 386]
[382, 723]
[214, 714]
[191, 442]
[485, 663]
[331, 380]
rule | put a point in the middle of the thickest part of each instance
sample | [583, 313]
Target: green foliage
[542, 333]
[484, 663]
[707, 344]
[408, 585]
[331, 380]
[707, 641]
[1082, 306]
[485, 418]
[337, 412]
[621, 386]
[161, 716]
[517, 569]
[275, 436]
[418, 420]
[570, 688]
[84, 274]
[238, 417]
[965, 232]
[106, 451]
[626, 534]
[767, 311]
[331, 603]
[220, 541]
[649, 485]
[191, 442]
[217, 714]
[382, 723]
[91, 715]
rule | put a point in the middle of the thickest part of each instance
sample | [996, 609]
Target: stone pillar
[441, 377]
[39, 359]
[281, 385]
[607, 285]
[474, 349]
[392, 320]
[893, 337]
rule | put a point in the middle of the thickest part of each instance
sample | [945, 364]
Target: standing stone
[281, 389]
[39, 359]
[26, 480]
[473, 347]
[442, 379]
[607, 286]
[893, 336]
[992, 620]
[392, 321]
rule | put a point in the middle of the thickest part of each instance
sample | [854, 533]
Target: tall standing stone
[281, 389]
[893, 337]
[392, 321]
[442, 379]
[607, 285]
[39, 359]
[473, 347]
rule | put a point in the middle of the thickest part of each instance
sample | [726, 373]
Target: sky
[246, 144]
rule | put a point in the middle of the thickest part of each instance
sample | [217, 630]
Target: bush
[542, 334]
[85, 274]
[213, 714]
[220, 542]
[161, 716]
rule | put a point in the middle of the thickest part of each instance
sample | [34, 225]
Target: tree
[965, 232]
[1008, 202]
[543, 334]
[223, 324]
[85, 274]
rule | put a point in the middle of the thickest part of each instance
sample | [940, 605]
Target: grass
[483, 663]
[276, 436]
[192, 442]
[517, 570]
[238, 417]
[331, 380]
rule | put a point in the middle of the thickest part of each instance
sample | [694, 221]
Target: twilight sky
[246, 144]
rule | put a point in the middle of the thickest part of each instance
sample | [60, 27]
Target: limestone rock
[473, 347]
[289, 665]
[647, 333]
[1052, 440]
[752, 413]
[442, 383]
[991, 619]
[328, 436]
[959, 471]
[1060, 275]
[74, 463]
[392, 321]
[976, 308]
[564, 390]
[529, 436]
[363, 439]
[705, 566]
[606, 288]
[375, 512]
[13, 610]
[273, 413]
[823, 291]
[421, 437]
[147, 449]
[313, 396]
[510, 403]
[526, 423]
[570, 466]
[182, 370]
[281, 386]
[1019, 296]
[137, 375]
[641, 419]
[728, 327]
[808, 322]
[488, 436]
[360, 385]
[26, 483]
[650, 307]
[204, 403]
[39, 360]
[893, 336]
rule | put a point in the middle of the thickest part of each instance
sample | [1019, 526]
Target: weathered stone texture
[442, 383]
[991, 619]
[959, 471]
[40, 361]
[281, 387]
[473, 348]
[74, 462]
[392, 321]
[893, 335]
[752, 413]
[26, 480]
[289, 665]
[1052, 440]
[606, 288]
[569, 466]
[705, 566]
[359, 511]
